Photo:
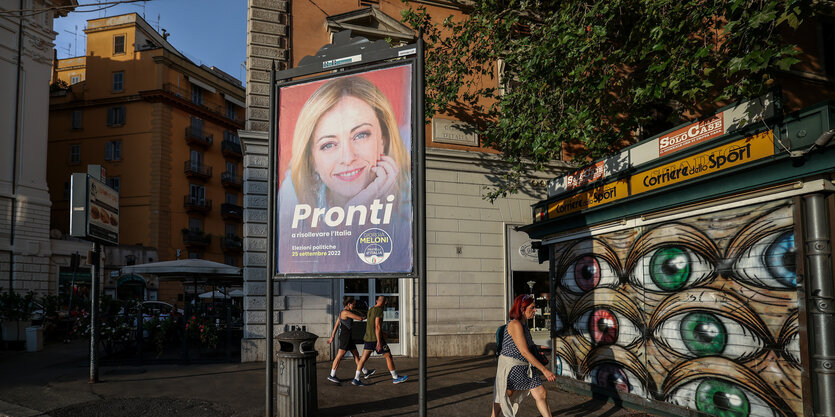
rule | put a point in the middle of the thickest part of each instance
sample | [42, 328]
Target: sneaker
[333, 379]
[368, 374]
[358, 383]
[401, 378]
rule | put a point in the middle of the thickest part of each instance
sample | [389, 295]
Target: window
[196, 160]
[66, 190]
[230, 260]
[118, 44]
[231, 110]
[75, 153]
[197, 194]
[113, 150]
[231, 198]
[194, 255]
[75, 79]
[196, 126]
[114, 183]
[76, 119]
[118, 81]
[195, 224]
[116, 116]
[231, 231]
[232, 168]
[229, 136]
[196, 94]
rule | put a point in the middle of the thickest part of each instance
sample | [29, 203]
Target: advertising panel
[94, 214]
[714, 160]
[344, 167]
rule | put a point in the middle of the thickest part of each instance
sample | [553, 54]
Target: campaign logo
[374, 246]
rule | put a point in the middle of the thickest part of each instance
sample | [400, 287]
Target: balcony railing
[230, 180]
[232, 243]
[192, 203]
[196, 238]
[231, 149]
[196, 136]
[185, 94]
[194, 169]
[231, 211]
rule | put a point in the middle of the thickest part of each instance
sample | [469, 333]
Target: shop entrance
[365, 291]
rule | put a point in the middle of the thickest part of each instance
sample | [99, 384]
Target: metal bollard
[296, 374]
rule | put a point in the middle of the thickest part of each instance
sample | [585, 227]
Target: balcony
[194, 204]
[231, 211]
[231, 149]
[232, 243]
[194, 169]
[196, 136]
[230, 180]
[196, 238]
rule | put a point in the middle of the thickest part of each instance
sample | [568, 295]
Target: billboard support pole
[94, 312]
[268, 334]
[421, 216]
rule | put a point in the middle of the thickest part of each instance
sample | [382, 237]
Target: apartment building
[26, 42]
[164, 129]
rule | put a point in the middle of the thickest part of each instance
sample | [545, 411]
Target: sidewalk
[54, 383]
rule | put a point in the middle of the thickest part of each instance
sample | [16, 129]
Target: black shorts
[344, 340]
[373, 346]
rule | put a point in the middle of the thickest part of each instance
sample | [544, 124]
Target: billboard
[94, 214]
[344, 174]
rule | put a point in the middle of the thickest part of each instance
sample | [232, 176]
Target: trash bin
[34, 339]
[296, 374]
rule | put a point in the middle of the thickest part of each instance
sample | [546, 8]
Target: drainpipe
[820, 299]
[18, 92]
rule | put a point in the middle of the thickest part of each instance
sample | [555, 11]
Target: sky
[209, 32]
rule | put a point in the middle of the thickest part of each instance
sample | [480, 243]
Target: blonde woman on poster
[345, 203]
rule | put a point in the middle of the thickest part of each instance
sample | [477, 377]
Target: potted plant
[16, 314]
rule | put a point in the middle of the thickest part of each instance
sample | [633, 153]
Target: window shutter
[110, 121]
[108, 151]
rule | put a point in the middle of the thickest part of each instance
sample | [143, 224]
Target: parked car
[160, 309]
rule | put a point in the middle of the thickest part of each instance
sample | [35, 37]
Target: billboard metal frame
[345, 56]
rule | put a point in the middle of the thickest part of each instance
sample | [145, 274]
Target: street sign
[94, 210]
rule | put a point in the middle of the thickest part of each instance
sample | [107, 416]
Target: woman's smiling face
[347, 142]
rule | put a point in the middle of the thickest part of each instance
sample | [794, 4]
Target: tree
[598, 74]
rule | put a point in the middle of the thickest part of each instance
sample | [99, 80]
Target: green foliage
[16, 307]
[597, 73]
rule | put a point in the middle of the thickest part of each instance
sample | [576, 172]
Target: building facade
[25, 62]
[164, 129]
[477, 262]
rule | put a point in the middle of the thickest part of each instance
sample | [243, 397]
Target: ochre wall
[701, 312]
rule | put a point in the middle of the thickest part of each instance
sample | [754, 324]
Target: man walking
[375, 342]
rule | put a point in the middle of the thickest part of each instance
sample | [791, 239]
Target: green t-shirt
[370, 324]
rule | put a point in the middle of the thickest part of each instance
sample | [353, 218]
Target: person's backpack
[500, 338]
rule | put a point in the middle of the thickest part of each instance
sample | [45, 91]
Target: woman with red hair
[519, 372]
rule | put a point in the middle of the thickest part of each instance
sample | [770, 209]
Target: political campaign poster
[344, 174]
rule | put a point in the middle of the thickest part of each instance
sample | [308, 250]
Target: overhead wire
[36, 11]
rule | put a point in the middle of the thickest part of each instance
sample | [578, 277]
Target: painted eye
[602, 326]
[588, 272]
[705, 333]
[671, 268]
[717, 397]
[562, 368]
[614, 377]
[770, 263]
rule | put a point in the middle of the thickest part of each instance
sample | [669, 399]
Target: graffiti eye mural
[770, 262]
[588, 272]
[671, 268]
[604, 326]
[706, 333]
[720, 398]
[615, 377]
